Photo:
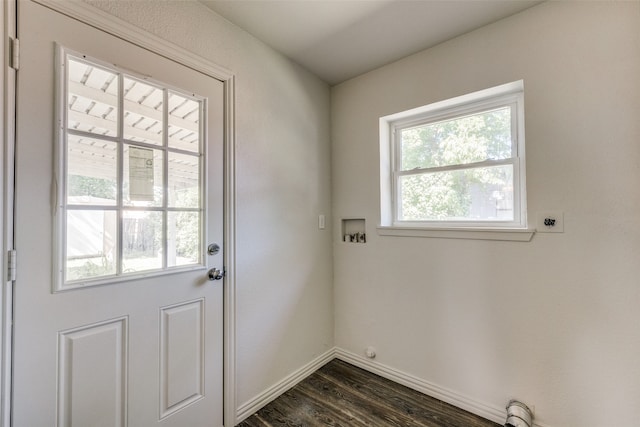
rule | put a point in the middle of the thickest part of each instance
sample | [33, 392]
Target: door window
[130, 174]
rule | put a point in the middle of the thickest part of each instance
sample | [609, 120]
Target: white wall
[284, 264]
[553, 322]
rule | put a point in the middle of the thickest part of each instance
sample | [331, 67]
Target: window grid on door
[131, 168]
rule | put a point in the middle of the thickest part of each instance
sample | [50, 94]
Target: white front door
[119, 190]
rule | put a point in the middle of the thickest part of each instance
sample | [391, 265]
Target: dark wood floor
[339, 394]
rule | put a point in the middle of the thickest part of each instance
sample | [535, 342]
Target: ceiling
[340, 39]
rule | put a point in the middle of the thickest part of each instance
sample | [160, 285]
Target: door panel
[92, 375]
[137, 352]
[181, 358]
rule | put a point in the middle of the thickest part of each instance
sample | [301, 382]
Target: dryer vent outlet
[518, 415]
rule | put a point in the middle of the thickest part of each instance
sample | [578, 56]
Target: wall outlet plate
[550, 222]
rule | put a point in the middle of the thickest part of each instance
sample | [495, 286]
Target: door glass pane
[484, 194]
[183, 238]
[141, 241]
[143, 180]
[184, 123]
[143, 106]
[91, 244]
[474, 138]
[184, 181]
[93, 99]
[91, 171]
[132, 173]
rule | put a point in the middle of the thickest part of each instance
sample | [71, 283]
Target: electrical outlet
[550, 222]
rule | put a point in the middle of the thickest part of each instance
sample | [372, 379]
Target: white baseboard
[492, 413]
[252, 406]
[486, 411]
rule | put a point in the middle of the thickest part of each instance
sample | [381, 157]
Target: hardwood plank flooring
[342, 395]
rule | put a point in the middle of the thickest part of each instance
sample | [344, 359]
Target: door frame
[7, 130]
[123, 30]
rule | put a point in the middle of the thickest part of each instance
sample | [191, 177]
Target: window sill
[512, 235]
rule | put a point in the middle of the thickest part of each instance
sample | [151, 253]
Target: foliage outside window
[130, 165]
[457, 163]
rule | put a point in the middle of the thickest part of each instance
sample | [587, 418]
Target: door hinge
[14, 57]
[12, 263]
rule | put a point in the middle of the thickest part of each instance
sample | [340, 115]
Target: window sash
[467, 222]
[453, 114]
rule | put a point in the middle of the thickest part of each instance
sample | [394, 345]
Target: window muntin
[458, 163]
[132, 175]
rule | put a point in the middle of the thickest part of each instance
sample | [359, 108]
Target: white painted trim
[490, 412]
[7, 130]
[486, 411]
[110, 24]
[513, 235]
[229, 261]
[250, 407]
[126, 31]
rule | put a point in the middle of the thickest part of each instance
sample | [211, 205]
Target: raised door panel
[181, 356]
[92, 375]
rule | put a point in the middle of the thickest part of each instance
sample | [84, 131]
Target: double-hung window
[130, 174]
[457, 163]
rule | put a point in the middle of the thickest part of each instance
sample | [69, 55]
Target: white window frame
[510, 94]
[59, 179]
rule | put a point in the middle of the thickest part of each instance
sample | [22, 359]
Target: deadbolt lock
[213, 249]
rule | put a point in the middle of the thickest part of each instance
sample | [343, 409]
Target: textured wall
[553, 322]
[284, 285]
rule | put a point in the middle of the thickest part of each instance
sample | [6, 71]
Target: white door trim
[7, 130]
[119, 28]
